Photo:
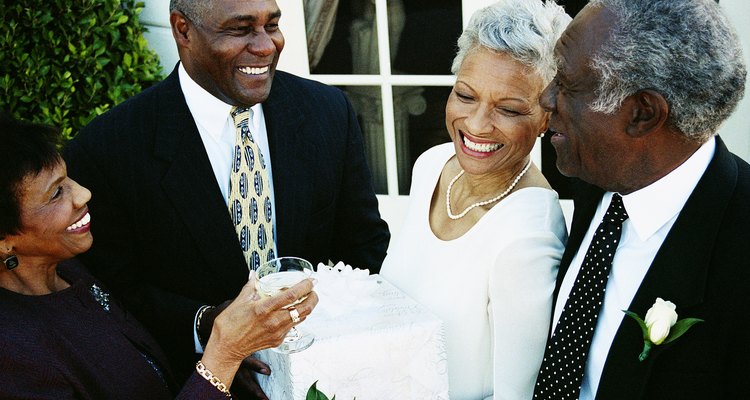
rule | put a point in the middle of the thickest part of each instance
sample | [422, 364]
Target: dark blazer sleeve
[326, 207]
[360, 235]
[197, 387]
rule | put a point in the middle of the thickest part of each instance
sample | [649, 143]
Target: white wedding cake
[371, 342]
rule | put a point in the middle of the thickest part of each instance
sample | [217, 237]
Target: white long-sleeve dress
[492, 287]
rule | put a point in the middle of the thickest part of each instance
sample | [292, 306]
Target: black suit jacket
[703, 267]
[163, 239]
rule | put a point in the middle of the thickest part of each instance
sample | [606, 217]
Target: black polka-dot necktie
[249, 195]
[561, 372]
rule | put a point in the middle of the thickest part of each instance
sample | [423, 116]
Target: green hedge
[64, 62]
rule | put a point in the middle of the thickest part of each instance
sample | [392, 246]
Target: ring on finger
[295, 315]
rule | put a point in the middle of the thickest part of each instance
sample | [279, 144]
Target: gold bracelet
[198, 322]
[209, 376]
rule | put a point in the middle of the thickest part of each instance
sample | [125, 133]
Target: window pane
[342, 36]
[423, 35]
[367, 103]
[419, 113]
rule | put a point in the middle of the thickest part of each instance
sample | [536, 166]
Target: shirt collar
[205, 107]
[653, 206]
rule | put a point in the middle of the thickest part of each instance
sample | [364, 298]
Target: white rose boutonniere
[661, 325]
[659, 320]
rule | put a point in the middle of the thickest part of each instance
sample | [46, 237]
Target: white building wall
[736, 130]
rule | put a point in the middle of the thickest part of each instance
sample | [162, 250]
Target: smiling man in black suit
[159, 165]
[641, 89]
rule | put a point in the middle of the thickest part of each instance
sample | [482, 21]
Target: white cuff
[198, 347]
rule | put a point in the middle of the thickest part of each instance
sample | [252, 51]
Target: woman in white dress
[484, 232]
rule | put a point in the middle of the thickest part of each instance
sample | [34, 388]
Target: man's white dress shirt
[217, 130]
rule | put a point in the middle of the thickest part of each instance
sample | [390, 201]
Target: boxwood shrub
[62, 62]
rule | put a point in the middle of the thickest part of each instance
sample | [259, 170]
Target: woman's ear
[650, 111]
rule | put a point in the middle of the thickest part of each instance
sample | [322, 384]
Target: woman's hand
[251, 323]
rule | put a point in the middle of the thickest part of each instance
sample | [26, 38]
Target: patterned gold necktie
[250, 205]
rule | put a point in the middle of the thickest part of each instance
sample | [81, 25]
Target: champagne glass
[277, 275]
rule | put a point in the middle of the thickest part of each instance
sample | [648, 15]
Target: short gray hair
[195, 10]
[527, 30]
[686, 50]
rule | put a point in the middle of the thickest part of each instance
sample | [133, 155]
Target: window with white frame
[395, 68]
[392, 58]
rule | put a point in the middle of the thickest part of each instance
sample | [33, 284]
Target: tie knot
[616, 213]
[241, 114]
[241, 117]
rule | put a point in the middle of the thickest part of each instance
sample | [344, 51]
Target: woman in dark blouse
[62, 335]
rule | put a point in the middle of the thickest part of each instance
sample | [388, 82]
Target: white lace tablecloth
[384, 346]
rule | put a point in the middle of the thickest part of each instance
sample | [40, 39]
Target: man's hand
[245, 385]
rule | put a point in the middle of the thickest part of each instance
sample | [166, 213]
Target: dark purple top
[79, 343]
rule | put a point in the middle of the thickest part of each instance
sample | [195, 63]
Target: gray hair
[195, 10]
[686, 50]
[527, 30]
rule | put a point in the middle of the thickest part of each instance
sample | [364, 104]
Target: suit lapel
[678, 274]
[292, 153]
[191, 186]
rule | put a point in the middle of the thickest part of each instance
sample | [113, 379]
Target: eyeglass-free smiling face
[233, 52]
[493, 114]
[55, 222]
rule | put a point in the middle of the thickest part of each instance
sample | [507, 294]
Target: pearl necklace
[481, 203]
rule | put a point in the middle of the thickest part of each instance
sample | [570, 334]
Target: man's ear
[650, 111]
[180, 27]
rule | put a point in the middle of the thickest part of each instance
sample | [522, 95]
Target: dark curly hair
[26, 149]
